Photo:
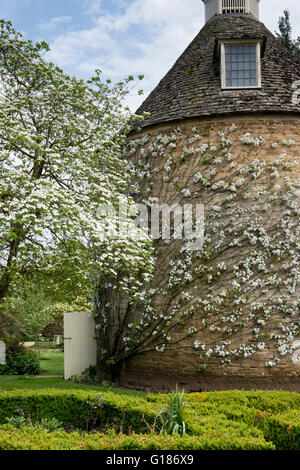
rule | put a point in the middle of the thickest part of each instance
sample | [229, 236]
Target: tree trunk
[4, 285]
[107, 373]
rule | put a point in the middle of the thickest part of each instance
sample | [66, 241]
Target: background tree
[27, 312]
[60, 141]
[285, 35]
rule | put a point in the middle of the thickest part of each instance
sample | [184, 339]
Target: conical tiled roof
[192, 88]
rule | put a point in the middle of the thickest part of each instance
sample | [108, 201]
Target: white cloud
[70, 49]
[52, 24]
[145, 37]
[91, 6]
[154, 14]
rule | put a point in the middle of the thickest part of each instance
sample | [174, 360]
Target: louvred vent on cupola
[223, 7]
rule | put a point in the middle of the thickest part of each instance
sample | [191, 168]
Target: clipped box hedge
[275, 402]
[283, 430]
[78, 408]
[30, 439]
[214, 420]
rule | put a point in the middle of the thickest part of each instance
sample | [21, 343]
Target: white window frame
[241, 42]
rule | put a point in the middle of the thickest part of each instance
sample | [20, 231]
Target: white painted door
[79, 343]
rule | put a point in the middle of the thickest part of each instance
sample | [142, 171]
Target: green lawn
[52, 363]
[8, 382]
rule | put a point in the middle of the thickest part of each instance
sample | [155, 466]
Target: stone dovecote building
[224, 128]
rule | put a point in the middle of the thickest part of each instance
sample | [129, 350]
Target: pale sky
[122, 37]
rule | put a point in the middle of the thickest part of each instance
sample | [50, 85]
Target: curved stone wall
[176, 163]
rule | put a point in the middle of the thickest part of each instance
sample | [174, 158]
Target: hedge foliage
[79, 408]
[30, 439]
[215, 420]
[273, 413]
[283, 430]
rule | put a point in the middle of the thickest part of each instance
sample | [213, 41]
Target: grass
[9, 382]
[52, 363]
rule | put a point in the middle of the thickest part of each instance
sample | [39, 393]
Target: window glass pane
[240, 65]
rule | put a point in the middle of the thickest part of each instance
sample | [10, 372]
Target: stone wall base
[205, 382]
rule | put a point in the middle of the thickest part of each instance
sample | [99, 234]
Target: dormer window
[240, 64]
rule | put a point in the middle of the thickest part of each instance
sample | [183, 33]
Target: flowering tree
[60, 140]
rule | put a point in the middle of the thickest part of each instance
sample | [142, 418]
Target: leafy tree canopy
[60, 141]
[285, 35]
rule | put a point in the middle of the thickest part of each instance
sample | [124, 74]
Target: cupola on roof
[223, 7]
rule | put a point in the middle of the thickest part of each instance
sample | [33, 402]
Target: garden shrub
[238, 405]
[275, 414]
[30, 439]
[220, 426]
[79, 408]
[88, 376]
[215, 420]
[283, 430]
[19, 361]
[13, 345]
